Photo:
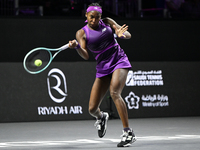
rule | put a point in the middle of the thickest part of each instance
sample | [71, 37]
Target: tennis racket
[41, 53]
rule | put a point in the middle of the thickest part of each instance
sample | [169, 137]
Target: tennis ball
[38, 62]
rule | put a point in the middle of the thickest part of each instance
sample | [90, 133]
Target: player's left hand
[120, 32]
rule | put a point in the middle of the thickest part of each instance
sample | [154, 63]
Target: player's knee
[115, 95]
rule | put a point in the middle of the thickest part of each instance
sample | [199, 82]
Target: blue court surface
[182, 133]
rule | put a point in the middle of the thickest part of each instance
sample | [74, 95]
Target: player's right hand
[73, 44]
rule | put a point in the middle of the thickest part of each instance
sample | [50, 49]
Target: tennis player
[111, 69]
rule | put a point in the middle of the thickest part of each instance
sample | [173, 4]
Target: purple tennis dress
[107, 52]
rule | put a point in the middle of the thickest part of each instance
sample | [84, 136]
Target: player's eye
[91, 17]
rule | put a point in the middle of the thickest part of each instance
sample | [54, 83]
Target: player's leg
[99, 89]
[116, 86]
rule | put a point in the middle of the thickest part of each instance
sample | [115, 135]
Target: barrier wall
[153, 89]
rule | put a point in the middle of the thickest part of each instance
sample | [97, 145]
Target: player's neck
[95, 28]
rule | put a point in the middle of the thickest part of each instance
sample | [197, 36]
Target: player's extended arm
[120, 31]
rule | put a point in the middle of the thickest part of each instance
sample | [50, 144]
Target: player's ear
[86, 14]
[100, 15]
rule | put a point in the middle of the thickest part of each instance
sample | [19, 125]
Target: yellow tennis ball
[38, 62]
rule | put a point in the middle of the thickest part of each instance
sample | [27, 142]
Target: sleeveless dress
[107, 52]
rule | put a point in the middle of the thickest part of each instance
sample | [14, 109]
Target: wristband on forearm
[122, 37]
[78, 46]
[115, 35]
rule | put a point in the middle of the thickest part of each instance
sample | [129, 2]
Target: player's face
[93, 18]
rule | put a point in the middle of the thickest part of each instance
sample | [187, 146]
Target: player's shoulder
[80, 32]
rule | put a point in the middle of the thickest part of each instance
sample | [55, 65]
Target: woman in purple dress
[112, 67]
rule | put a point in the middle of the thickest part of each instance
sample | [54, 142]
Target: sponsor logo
[132, 101]
[104, 29]
[156, 100]
[145, 78]
[58, 77]
[59, 110]
[57, 89]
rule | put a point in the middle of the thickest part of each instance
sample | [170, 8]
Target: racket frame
[51, 57]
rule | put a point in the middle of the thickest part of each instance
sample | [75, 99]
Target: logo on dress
[104, 29]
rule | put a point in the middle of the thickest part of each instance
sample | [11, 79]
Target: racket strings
[43, 55]
[38, 59]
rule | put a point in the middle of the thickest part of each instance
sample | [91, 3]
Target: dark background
[152, 40]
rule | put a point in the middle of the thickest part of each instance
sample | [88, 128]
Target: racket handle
[64, 47]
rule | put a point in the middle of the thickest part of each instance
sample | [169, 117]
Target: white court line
[86, 141]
